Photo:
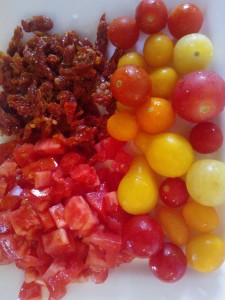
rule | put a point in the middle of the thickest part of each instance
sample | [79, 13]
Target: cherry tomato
[163, 82]
[158, 50]
[206, 137]
[169, 154]
[151, 16]
[123, 32]
[130, 85]
[132, 58]
[205, 252]
[205, 182]
[173, 225]
[173, 192]
[200, 217]
[116, 128]
[192, 52]
[142, 236]
[184, 19]
[155, 115]
[138, 189]
[169, 264]
[196, 103]
[142, 140]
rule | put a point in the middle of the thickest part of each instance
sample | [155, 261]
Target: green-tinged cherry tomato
[205, 252]
[130, 85]
[205, 182]
[132, 58]
[138, 190]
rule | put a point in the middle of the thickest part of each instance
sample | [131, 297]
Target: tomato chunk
[49, 146]
[30, 291]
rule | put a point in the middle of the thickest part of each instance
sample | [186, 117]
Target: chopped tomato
[24, 154]
[109, 147]
[5, 224]
[49, 146]
[30, 291]
[6, 150]
[57, 213]
[43, 164]
[40, 199]
[46, 220]
[42, 179]
[69, 161]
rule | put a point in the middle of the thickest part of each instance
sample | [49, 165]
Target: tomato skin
[142, 236]
[169, 264]
[184, 19]
[193, 102]
[151, 16]
[123, 32]
[130, 85]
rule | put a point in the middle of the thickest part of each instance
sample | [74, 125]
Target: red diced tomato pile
[69, 215]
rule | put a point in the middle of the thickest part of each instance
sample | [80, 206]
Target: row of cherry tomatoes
[154, 90]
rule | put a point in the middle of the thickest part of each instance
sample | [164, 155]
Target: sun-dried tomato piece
[37, 23]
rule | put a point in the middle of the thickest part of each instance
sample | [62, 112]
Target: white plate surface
[132, 281]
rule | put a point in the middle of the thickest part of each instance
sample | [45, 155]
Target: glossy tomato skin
[130, 85]
[142, 236]
[184, 19]
[199, 96]
[169, 264]
[123, 32]
[151, 16]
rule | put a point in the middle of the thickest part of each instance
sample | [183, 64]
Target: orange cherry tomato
[155, 115]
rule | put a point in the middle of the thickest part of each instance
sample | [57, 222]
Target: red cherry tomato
[199, 96]
[206, 137]
[142, 236]
[151, 16]
[130, 85]
[173, 192]
[123, 32]
[169, 264]
[184, 19]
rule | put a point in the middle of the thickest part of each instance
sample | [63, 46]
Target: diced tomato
[12, 199]
[30, 291]
[62, 187]
[24, 154]
[57, 213]
[69, 161]
[104, 248]
[8, 172]
[97, 201]
[110, 178]
[6, 150]
[28, 261]
[3, 187]
[122, 162]
[46, 220]
[11, 248]
[49, 146]
[5, 224]
[58, 242]
[44, 164]
[79, 216]
[108, 147]
[42, 179]
[39, 199]
[85, 176]
[31, 275]
[24, 220]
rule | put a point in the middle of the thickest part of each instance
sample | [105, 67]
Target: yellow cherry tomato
[158, 50]
[138, 189]
[192, 52]
[163, 82]
[200, 217]
[170, 154]
[132, 58]
[205, 252]
[122, 126]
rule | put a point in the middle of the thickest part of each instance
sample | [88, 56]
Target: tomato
[142, 141]
[200, 217]
[5, 224]
[169, 264]
[199, 104]
[24, 154]
[49, 146]
[173, 225]
[173, 192]
[155, 115]
[142, 236]
[192, 52]
[184, 19]
[205, 252]
[206, 137]
[108, 147]
[30, 291]
[116, 128]
[70, 160]
[138, 190]
[132, 58]
[6, 150]
[43, 164]
[205, 182]
[130, 85]
[169, 154]
[57, 213]
[123, 32]
[151, 15]
[163, 82]
[158, 50]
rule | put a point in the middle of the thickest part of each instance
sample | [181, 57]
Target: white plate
[132, 281]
